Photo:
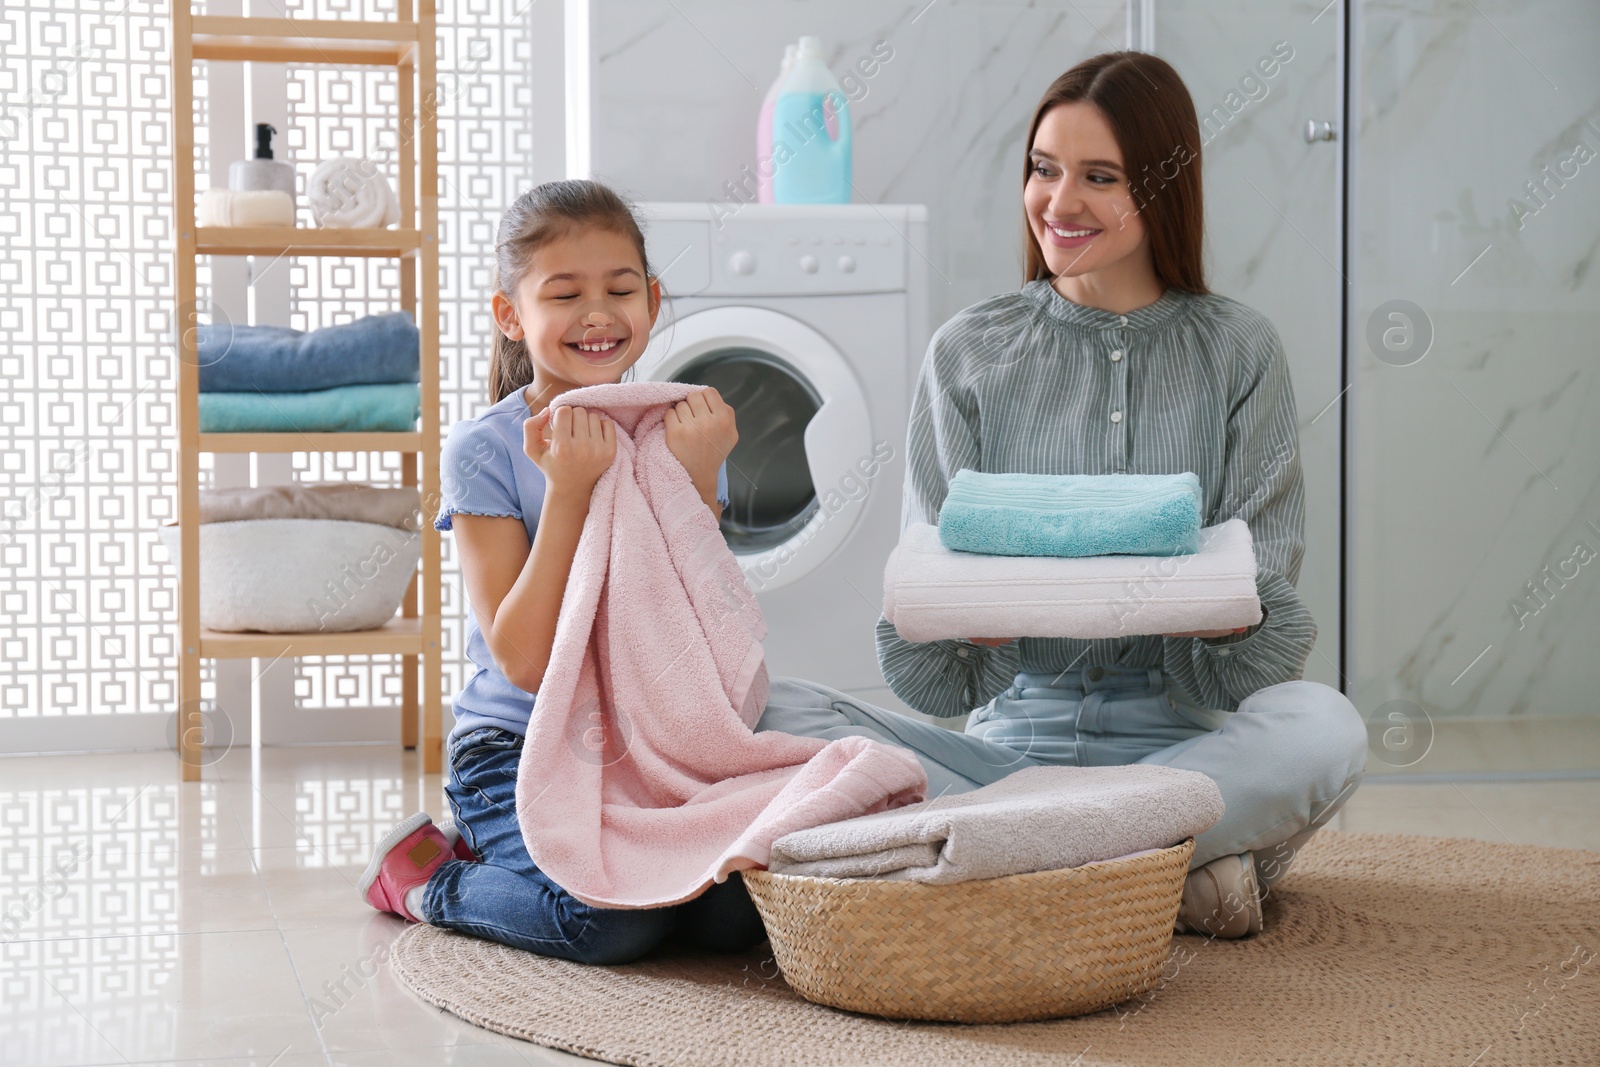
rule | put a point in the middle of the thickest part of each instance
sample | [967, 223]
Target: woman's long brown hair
[1153, 119]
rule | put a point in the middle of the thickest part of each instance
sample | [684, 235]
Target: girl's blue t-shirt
[484, 471]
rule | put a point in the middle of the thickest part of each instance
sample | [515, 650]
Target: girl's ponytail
[538, 216]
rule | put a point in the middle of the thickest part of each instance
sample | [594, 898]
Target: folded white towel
[347, 193]
[931, 593]
[1035, 819]
[244, 207]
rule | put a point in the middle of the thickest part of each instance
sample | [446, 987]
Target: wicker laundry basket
[994, 950]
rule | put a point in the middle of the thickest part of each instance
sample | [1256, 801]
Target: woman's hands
[573, 447]
[701, 432]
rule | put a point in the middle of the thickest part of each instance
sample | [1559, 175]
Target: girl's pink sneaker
[406, 857]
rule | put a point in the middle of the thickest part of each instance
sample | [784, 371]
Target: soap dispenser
[262, 172]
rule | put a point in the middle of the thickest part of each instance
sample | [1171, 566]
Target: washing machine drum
[800, 473]
[771, 494]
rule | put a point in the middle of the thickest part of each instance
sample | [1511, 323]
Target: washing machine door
[804, 429]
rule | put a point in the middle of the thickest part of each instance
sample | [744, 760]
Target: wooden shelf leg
[427, 147]
[432, 709]
[408, 609]
[408, 705]
[190, 725]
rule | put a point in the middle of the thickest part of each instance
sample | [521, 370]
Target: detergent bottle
[764, 128]
[811, 133]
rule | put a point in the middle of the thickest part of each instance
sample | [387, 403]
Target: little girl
[574, 305]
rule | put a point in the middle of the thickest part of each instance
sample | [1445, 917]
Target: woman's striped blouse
[1032, 382]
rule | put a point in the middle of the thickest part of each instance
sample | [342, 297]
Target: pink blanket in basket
[641, 781]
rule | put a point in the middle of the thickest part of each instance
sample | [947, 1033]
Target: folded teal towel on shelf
[1072, 514]
[393, 406]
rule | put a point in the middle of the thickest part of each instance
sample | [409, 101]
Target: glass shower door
[1474, 501]
[1259, 72]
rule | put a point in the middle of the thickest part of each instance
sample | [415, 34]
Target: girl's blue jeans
[506, 898]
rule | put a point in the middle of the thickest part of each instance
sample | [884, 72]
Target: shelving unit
[406, 44]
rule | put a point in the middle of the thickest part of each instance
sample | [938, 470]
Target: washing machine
[811, 321]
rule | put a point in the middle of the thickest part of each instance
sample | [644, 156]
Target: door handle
[1317, 130]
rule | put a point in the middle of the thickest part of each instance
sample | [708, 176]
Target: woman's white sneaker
[1221, 898]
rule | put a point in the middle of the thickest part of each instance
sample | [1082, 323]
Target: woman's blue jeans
[506, 898]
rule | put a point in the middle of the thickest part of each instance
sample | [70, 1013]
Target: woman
[1115, 358]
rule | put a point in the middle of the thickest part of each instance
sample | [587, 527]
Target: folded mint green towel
[1072, 514]
[390, 406]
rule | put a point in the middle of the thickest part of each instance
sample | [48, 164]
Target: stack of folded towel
[1082, 556]
[1035, 819]
[362, 375]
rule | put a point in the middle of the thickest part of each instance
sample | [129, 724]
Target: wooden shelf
[288, 241]
[299, 41]
[408, 46]
[354, 441]
[398, 636]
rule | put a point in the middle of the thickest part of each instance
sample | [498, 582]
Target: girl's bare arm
[515, 588]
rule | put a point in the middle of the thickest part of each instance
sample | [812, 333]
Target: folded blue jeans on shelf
[373, 350]
[1072, 514]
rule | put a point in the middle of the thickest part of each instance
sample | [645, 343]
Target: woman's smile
[1070, 236]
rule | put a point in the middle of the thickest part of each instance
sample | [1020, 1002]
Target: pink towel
[641, 781]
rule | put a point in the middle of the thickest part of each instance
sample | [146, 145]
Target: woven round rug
[1375, 949]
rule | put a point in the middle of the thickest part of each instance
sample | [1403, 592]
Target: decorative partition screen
[87, 596]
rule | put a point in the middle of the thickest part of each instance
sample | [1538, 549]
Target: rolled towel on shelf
[931, 593]
[347, 408]
[1034, 819]
[349, 193]
[399, 507]
[1072, 514]
[372, 350]
[244, 207]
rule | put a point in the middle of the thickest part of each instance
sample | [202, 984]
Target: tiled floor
[142, 921]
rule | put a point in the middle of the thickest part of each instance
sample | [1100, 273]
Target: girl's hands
[573, 447]
[700, 433]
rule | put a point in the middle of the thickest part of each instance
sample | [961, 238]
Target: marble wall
[1475, 449]
[677, 88]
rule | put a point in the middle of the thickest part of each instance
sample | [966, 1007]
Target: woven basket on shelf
[993, 950]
